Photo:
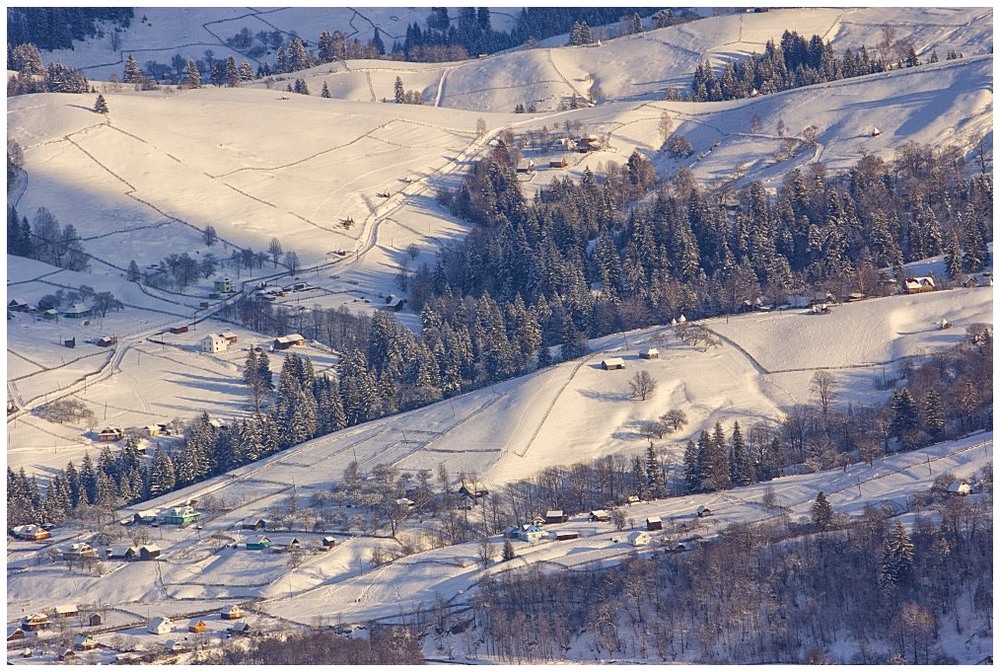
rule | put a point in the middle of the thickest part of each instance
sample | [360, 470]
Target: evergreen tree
[377, 42]
[897, 559]
[399, 93]
[508, 551]
[692, 472]
[325, 93]
[192, 77]
[655, 483]
[132, 73]
[822, 512]
[162, 477]
[133, 274]
[715, 463]
[101, 105]
[933, 414]
[741, 466]
[232, 72]
[953, 257]
[904, 417]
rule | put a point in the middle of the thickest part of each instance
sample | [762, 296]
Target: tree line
[53, 28]
[43, 239]
[31, 75]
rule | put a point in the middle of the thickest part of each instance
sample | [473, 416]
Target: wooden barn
[612, 363]
[654, 523]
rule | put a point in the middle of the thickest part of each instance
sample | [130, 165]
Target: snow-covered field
[256, 163]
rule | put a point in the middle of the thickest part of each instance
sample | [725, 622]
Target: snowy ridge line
[552, 404]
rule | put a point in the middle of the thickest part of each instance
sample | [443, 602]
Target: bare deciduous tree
[642, 385]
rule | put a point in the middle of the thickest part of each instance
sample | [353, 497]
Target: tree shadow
[605, 396]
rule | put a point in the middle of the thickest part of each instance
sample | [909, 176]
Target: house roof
[653, 519]
[637, 534]
[599, 513]
[66, 609]
[554, 513]
[613, 361]
[157, 621]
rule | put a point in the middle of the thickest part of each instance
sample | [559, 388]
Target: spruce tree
[897, 559]
[508, 551]
[822, 512]
[741, 466]
[192, 77]
[101, 105]
[933, 414]
[132, 73]
[953, 257]
[904, 417]
[692, 473]
[325, 93]
[398, 91]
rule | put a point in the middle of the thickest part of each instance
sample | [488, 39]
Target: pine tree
[325, 93]
[162, 477]
[897, 559]
[246, 71]
[692, 473]
[400, 93]
[508, 551]
[933, 419]
[822, 512]
[655, 484]
[192, 77]
[232, 76]
[953, 257]
[741, 466]
[715, 464]
[101, 105]
[132, 73]
[904, 417]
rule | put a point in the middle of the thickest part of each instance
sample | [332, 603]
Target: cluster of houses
[76, 311]
[616, 363]
[113, 433]
[30, 533]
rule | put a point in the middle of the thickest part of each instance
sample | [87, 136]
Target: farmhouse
[66, 610]
[35, 622]
[258, 543]
[180, 515]
[285, 342]
[111, 434]
[529, 533]
[30, 533]
[599, 516]
[654, 523]
[159, 625]
[121, 553]
[612, 363]
[232, 612]
[918, 285]
[639, 538]
[85, 642]
[239, 628]
[78, 551]
[197, 625]
[214, 343]
[145, 516]
[16, 306]
[253, 524]
[649, 353]
[223, 285]
[149, 552]
[77, 310]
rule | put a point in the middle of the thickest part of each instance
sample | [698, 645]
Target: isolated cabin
[328, 543]
[214, 343]
[599, 516]
[649, 353]
[394, 303]
[612, 363]
[159, 625]
[95, 619]
[639, 538]
[654, 523]
[918, 285]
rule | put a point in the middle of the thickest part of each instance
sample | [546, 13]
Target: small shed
[599, 516]
[70, 342]
[558, 163]
[328, 543]
[566, 535]
[960, 488]
[704, 511]
[179, 330]
[639, 538]
[253, 524]
[95, 619]
[105, 341]
[555, 516]
[649, 353]
[612, 363]
[654, 523]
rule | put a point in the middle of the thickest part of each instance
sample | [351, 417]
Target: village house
[639, 538]
[31, 533]
[285, 342]
[111, 434]
[67, 610]
[282, 543]
[394, 303]
[231, 337]
[558, 163]
[960, 488]
[180, 515]
[232, 612]
[85, 642]
[78, 551]
[525, 166]
[649, 353]
[105, 341]
[223, 285]
[121, 553]
[77, 310]
[146, 516]
[35, 622]
[197, 625]
[253, 524]
[654, 523]
[214, 343]
[16, 635]
[528, 533]
[239, 628]
[599, 516]
[918, 285]
[149, 552]
[258, 543]
[50, 314]
[67, 656]
[984, 279]
[472, 491]
[612, 363]
[160, 625]
[555, 516]
[16, 306]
